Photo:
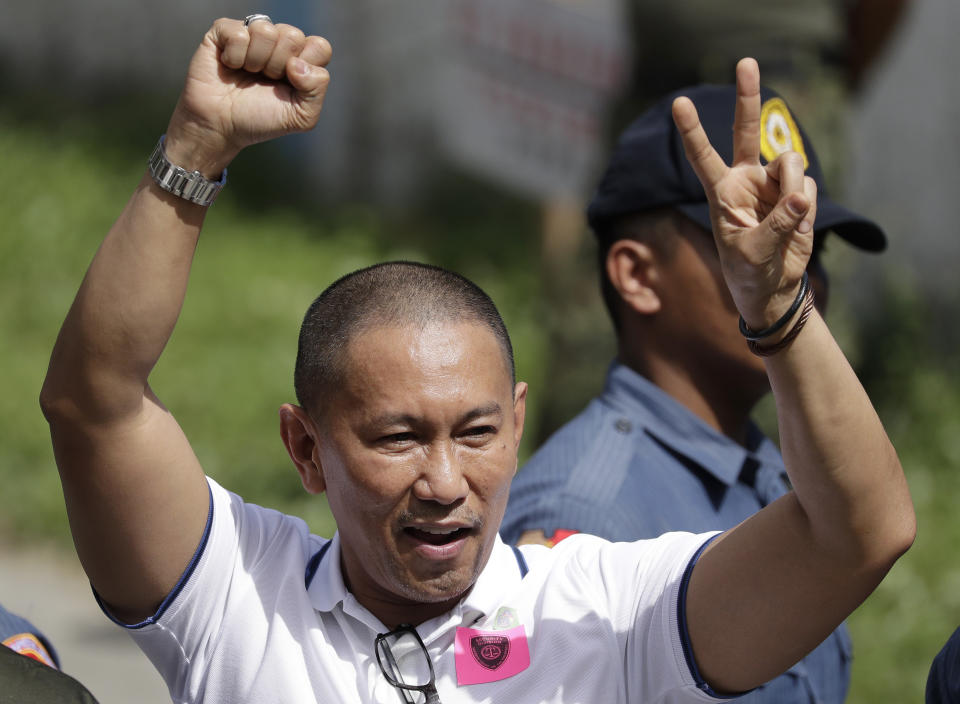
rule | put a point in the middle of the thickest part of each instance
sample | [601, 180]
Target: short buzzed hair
[392, 293]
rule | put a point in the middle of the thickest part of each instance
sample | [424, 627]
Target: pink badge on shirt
[488, 656]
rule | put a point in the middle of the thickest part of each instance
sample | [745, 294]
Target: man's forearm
[768, 591]
[844, 470]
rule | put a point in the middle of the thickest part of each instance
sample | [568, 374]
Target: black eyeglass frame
[428, 690]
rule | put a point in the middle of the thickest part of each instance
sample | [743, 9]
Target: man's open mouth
[437, 536]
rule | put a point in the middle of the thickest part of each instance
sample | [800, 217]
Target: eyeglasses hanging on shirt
[405, 663]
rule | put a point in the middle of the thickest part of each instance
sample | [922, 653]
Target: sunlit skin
[421, 437]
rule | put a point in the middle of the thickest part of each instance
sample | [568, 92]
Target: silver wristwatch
[191, 185]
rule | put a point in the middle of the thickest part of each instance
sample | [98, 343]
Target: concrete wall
[905, 136]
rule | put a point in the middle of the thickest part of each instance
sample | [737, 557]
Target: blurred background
[466, 133]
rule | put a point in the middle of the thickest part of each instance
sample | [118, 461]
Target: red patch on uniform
[559, 535]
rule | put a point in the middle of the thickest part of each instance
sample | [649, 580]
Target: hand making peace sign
[762, 215]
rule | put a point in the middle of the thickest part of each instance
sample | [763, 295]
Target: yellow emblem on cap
[778, 131]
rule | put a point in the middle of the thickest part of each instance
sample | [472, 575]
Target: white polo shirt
[602, 621]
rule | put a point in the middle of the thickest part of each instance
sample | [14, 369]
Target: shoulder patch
[560, 534]
[779, 132]
[29, 645]
[537, 537]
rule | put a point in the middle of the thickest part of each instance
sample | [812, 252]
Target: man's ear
[300, 437]
[632, 270]
[519, 415]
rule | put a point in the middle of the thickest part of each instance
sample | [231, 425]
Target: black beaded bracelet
[756, 335]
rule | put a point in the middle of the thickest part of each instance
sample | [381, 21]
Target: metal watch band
[190, 185]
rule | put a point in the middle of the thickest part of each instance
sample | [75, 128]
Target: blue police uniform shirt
[635, 464]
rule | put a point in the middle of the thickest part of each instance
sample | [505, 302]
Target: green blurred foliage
[267, 252]
[907, 360]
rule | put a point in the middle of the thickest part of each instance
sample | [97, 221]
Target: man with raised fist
[409, 418]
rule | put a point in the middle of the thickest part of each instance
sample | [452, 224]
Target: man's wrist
[781, 323]
[197, 148]
[778, 335]
[189, 185]
[785, 336]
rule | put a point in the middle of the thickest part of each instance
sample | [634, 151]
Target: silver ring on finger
[250, 19]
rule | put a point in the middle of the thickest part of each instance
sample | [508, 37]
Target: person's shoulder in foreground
[943, 681]
[408, 418]
[29, 667]
[25, 680]
[21, 636]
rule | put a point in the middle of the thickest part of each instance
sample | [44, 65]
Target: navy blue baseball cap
[648, 168]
